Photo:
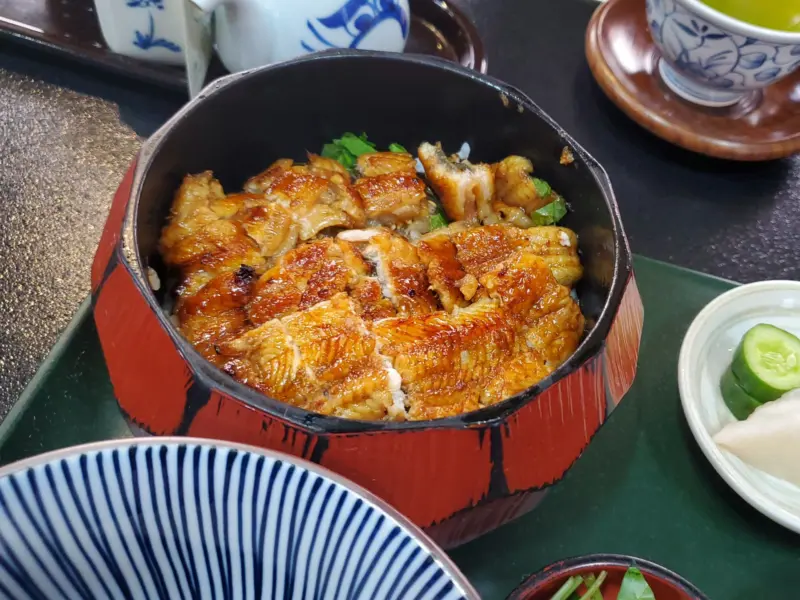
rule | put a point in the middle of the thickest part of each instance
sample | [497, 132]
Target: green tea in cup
[782, 15]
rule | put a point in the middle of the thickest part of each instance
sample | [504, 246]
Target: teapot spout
[207, 6]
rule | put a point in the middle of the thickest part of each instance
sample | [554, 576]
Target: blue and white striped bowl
[181, 518]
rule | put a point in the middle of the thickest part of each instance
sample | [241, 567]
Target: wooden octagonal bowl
[457, 477]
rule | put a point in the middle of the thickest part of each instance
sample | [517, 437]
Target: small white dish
[706, 352]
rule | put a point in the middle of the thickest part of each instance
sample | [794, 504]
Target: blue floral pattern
[714, 57]
[148, 40]
[352, 23]
[159, 4]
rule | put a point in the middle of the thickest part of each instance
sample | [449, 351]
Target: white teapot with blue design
[251, 33]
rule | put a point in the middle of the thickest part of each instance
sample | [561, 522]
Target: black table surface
[67, 133]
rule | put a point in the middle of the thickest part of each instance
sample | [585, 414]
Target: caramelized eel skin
[373, 325]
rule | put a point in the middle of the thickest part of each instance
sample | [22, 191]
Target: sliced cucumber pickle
[767, 362]
[739, 402]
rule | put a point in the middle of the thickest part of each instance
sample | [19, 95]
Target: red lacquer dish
[664, 584]
[457, 477]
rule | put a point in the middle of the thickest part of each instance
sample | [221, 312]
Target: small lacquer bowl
[665, 584]
[715, 60]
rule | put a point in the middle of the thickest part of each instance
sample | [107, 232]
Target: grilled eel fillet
[223, 245]
[210, 251]
[457, 256]
[479, 355]
[465, 190]
[323, 359]
[385, 276]
[390, 189]
[330, 360]
[504, 192]
[351, 328]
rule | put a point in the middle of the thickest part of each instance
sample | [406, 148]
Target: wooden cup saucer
[624, 61]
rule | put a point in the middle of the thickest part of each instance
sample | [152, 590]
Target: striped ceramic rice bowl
[181, 518]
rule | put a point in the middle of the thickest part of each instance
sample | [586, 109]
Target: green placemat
[642, 487]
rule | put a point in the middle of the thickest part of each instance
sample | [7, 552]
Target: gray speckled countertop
[63, 150]
[63, 154]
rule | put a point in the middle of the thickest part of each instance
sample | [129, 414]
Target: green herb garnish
[550, 214]
[355, 144]
[438, 220]
[634, 586]
[543, 188]
[339, 153]
[350, 146]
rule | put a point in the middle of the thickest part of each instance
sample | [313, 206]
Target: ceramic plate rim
[762, 502]
[447, 564]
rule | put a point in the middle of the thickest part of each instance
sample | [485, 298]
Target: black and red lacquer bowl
[457, 477]
[666, 585]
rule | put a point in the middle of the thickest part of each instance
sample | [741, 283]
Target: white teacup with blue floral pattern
[712, 59]
[145, 29]
[251, 33]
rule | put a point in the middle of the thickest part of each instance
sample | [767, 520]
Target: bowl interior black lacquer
[240, 126]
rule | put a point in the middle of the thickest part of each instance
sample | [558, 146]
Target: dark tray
[70, 28]
[642, 487]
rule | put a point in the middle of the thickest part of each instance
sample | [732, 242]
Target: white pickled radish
[769, 439]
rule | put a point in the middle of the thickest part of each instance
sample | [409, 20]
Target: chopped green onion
[594, 589]
[397, 148]
[543, 188]
[438, 221]
[550, 214]
[634, 586]
[589, 580]
[570, 585]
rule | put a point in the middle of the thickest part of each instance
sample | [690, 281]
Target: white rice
[357, 235]
[153, 279]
